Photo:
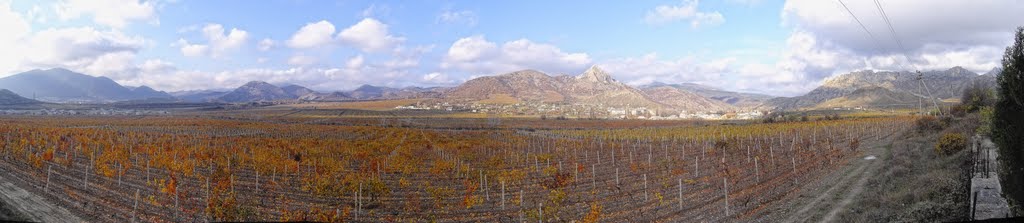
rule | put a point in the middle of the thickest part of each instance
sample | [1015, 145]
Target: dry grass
[384, 105]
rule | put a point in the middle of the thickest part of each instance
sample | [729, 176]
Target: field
[287, 165]
[382, 105]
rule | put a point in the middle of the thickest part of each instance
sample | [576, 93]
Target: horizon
[765, 47]
[284, 84]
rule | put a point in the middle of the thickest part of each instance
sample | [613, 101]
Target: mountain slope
[737, 99]
[333, 96]
[256, 91]
[525, 85]
[10, 98]
[592, 87]
[942, 84]
[872, 97]
[595, 86]
[685, 100]
[61, 85]
[297, 91]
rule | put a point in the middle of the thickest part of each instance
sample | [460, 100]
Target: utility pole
[920, 78]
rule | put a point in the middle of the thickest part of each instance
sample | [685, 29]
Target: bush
[951, 143]
[985, 128]
[976, 96]
[928, 123]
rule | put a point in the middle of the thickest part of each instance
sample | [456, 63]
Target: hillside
[685, 100]
[10, 98]
[62, 85]
[944, 84]
[592, 87]
[737, 99]
[256, 91]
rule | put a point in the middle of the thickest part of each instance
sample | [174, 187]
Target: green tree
[1008, 123]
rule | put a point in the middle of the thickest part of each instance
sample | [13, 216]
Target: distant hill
[333, 96]
[62, 85]
[898, 87]
[738, 99]
[593, 87]
[10, 98]
[370, 92]
[686, 100]
[199, 95]
[297, 91]
[256, 91]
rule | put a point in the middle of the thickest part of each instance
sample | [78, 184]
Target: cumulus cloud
[968, 35]
[87, 49]
[312, 35]
[113, 13]
[301, 60]
[265, 44]
[650, 68]
[369, 35]
[465, 17]
[15, 28]
[218, 44]
[686, 11]
[477, 55]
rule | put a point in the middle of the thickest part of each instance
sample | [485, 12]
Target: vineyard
[209, 168]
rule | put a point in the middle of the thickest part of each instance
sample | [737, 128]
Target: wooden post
[725, 184]
[757, 172]
[135, 207]
[45, 188]
[680, 193]
[645, 187]
[502, 195]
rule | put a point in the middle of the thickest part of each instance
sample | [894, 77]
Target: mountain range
[61, 85]
[593, 87]
[884, 89]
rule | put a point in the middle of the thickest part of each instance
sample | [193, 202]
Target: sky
[781, 48]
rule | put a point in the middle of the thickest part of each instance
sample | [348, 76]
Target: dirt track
[822, 200]
[24, 205]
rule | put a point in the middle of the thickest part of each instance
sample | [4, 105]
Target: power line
[865, 28]
[906, 54]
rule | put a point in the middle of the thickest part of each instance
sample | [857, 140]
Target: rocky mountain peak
[595, 74]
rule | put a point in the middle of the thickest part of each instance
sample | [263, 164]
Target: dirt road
[25, 205]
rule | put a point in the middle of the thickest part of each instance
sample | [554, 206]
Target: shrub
[951, 143]
[976, 96]
[928, 123]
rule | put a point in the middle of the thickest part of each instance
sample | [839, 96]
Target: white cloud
[355, 62]
[686, 11]
[369, 35]
[191, 50]
[476, 55]
[265, 44]
[967, 35]
[471, 48]
[218, 43]
[466, 17]
[77, 47]
[15, 28]
[650, 68]
[113, 13]
[376, 11]
[301, 60]
[312, 35]
[437, 78]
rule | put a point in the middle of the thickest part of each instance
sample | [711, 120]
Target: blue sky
[772, 47]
